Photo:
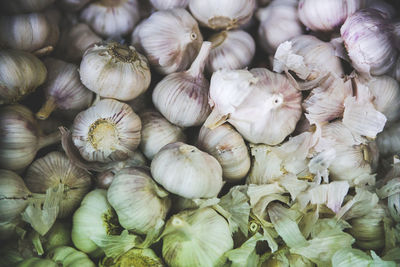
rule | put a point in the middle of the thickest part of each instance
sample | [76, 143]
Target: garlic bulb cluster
[182, 98]
[263, 106]
[279, 22]
[228, 147]
[63, 88]
[196, 238]
[111, 18]
[224, 14]
[157, 132]
[25, 6]
[327, 16]
[186, 171]
[29, 32]
[133, 257]
[54, 169]
[368, 39]
[108, 131]
[20, 74]
[230, 50]
[20, 137]
[169, 4]
[121, 72]
[170, 40]
[139, 203]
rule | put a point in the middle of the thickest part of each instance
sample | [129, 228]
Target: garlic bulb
[395, 73]
[25, 6]
[63, 88]
[37, 262]
[388, 141]
[230, 50]
[28, 32]
[53, 169]
[20, 74]
[196, 238]
[169, 4]
[229, 148]
[279, 22]
[110, 18]
[263, 106]
[20, 137]
[120, 72]
[223, 14]
[139, 203]
[170, 40]
[157, 132]
[73, 5]
[133, 257]
[58, 235]
[327, 15]
[69, 257]
[107, 131]
[186, 171]
[182, 98]
[369, 42]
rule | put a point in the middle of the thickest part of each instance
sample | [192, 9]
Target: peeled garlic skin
[20, 74]
[115, 71]
[223, 14]
[186, 171]
[229, 148]
[169, 4]
[368, 41]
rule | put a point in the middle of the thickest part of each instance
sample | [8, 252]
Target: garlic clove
[169, 4]
[222, 15]
[186, 171]
[108, 131]
[170, 40]
[120, 72]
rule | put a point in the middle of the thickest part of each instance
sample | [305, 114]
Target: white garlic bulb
[368, 39]
[263, 106]
[120, 72]
[111, 18]
[182, 98]
[28, 32]
[157, 132]
[63, 88]
[170, 40]
[107, 131]
[223, 14]
[186, 171]
[229, 148]
[388, 140]
[20, 74]
[139, 203]
[279, 22]
[196, 238]
[73, 5]
[230, 50]
[25, 6]
[54, 169]
[169, 4]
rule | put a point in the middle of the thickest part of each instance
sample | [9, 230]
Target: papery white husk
[169, 4]
[263, 106]
[112, 19]
[170, 39]
[120, 136]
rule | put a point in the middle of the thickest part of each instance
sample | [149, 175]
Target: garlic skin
[369, 42]
[20, 74]
[139, 203]
[56, 168]
[20, 137]
[110, 18]
[263, 106]
[186, 171]
[327, 16]
[228, 147]
[120, 72]
[108, 131]
[157, 132]
[169, 4]
[29, 32]
[230, 50]
[182, 98]
[170, 39]
[223, 14]
[25, 6]
[196, 238]
[63, 88]
[73, 5]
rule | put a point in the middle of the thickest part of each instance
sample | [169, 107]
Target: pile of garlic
[199, 133]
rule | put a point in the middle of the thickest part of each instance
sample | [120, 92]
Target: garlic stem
[198, 64]
[45, 51]
[46, 109]
[49, 139]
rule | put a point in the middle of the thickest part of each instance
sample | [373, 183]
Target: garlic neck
[49, 139]
[181, 228]
[103, 135]
[198, 64]
[218, 39]
[46, 109]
